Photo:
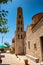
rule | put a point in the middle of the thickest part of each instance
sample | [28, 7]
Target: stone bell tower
[19, 33]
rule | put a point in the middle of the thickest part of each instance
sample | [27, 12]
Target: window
[35, 46]
[19, 16]
[21, 36]
[21, 22]
[29, 44]
[18, 28]
[21, 29]
[18, 36]
[18, 22]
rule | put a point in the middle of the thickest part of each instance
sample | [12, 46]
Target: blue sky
[30, 8]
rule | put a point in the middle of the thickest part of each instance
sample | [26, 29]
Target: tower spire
[19, 35]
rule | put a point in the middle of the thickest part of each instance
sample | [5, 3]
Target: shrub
[12, 51]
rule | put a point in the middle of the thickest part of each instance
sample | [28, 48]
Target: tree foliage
[3, 20]
[4, 1]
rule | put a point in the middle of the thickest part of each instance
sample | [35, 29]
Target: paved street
[11, 59]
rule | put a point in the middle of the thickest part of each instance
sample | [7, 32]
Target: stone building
[19, 33]
[13, 43]
[31, 41]
[34, 38]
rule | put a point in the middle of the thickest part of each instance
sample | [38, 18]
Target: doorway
[41, 38]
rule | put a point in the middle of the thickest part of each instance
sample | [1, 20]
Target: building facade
[31, 41]
[34, 38]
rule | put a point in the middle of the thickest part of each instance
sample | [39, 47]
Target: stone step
[33, 58]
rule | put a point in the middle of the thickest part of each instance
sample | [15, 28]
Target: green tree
[4, 1]
[3, 17]
[3, 20]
